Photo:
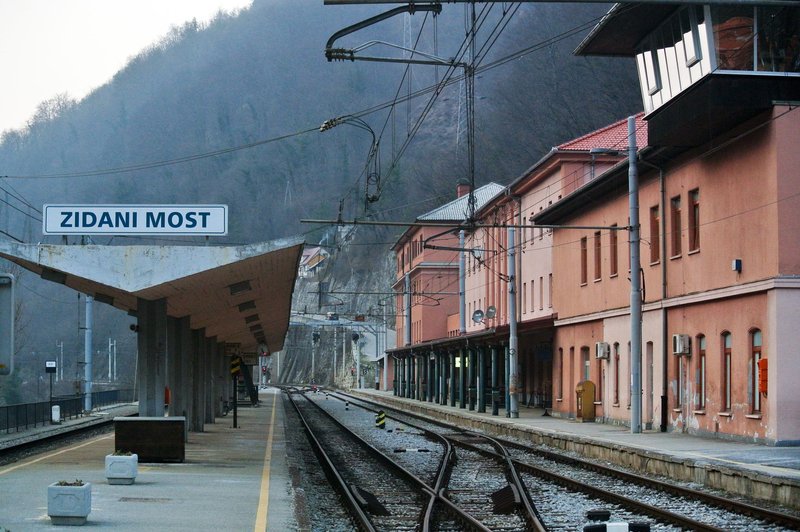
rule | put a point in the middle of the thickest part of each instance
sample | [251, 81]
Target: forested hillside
[230, 113]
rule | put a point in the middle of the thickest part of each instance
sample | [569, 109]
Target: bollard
[380, 420]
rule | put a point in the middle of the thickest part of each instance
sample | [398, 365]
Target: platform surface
[232, 479]
[776, 462]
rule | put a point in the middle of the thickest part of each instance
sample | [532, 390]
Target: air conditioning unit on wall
[602, 350]
[681, 344]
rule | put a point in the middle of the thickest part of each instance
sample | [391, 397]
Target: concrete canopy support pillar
[174, 372]
[395, 376]
[442, 359]
[452, 379]
[462, 378]
[183, 401]
[151, 362]
[210, 377]
[437, 376]
[198, 387]
[401, 375]
[471, 378]
[222, 378]
[418, 377]
[481, 380]
[431, 358]
[495, 383]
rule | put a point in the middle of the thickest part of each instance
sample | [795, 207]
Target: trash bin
[55, 414]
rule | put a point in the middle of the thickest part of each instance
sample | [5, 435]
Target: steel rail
[653, 511]
[779, 518]
[530, 516]
[464, 518]
[353, 508]
[689, 493]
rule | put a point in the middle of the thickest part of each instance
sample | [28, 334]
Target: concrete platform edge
[733, 479]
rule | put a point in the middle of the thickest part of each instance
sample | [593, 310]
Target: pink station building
[718, 173]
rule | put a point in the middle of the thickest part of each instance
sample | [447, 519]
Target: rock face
[350, 286]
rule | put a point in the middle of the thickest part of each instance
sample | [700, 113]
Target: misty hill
[240, 101]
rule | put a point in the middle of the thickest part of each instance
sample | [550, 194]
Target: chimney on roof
[462, 188]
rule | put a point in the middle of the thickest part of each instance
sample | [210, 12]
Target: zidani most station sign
[199, 220]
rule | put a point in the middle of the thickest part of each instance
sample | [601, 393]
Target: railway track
[554, 477]
[461, 491]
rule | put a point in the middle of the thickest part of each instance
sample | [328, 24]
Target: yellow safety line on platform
[56, 453]
[263, 499]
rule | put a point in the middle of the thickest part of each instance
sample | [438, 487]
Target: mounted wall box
[602, 350]
[736, 265]
[681, 344]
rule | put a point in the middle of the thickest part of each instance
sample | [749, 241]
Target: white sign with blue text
[201, 220]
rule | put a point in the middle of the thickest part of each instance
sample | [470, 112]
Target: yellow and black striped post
[380, 420]
[236, 366]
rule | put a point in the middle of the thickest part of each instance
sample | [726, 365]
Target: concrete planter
[121, 469]
[69, 505]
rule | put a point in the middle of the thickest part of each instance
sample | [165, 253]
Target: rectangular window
[550, 291]
[734, 37]
[598, 256]
[694, 220]
[613, 253]
[727, 344]
[679, 373]
[690, 36]
[524, 298]
[652, 69]
[655, 248]
[675, 227]
[584, 265]
[533, 285]
[541, 293]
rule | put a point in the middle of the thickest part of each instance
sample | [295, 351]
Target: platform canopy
[239, 294]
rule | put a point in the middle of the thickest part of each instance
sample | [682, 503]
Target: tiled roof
[457, 209]
[612, 136]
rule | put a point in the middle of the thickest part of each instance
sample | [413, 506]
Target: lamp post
[636, 283]
[636, 287]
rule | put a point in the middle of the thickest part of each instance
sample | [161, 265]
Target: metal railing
[16, 418]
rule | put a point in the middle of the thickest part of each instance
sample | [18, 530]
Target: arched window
[700, 396]
[755, 356]
[727, 346]
[586, 361]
